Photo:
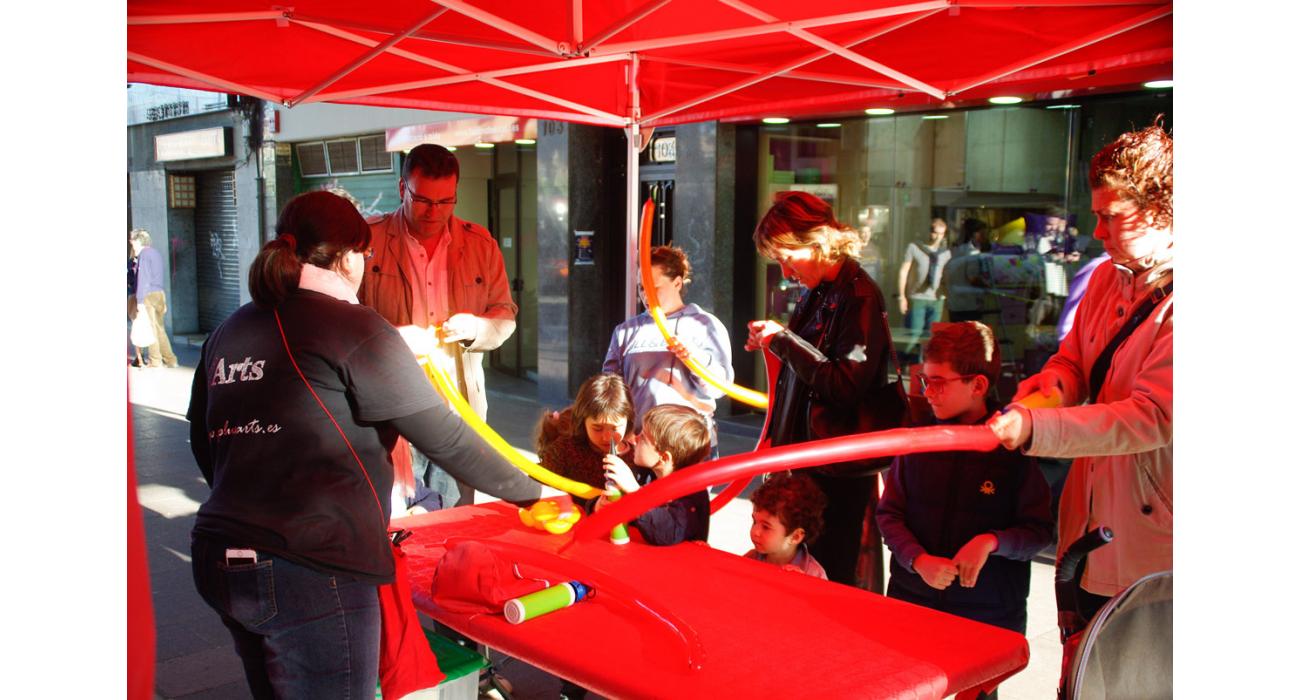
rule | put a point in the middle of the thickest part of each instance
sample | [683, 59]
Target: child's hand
[617, 471]
[937, 572]
[971, 557]
[680, 349]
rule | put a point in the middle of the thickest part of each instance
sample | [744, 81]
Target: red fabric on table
[691, 621]
[406, 663]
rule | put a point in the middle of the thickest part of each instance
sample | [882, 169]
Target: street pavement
[195, 656]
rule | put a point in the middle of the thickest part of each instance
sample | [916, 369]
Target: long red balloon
[901, 441]
[772, 364]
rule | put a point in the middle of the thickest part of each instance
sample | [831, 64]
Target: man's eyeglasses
[940, 383]
[426, 202]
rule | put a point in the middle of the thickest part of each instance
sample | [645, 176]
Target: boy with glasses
[962, 526]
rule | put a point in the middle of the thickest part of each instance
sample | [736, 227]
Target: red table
[691, 621]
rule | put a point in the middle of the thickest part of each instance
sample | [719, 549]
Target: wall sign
[184, 145]
[663, 150]
[584, 255]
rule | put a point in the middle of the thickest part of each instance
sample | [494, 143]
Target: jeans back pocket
[249, 592]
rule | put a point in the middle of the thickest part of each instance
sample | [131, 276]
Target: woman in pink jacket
[1117, 420]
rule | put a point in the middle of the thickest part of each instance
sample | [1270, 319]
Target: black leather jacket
[834, 356]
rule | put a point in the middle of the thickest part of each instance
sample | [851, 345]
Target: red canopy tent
[642, 63]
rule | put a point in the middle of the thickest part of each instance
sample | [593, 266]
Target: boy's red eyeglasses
[941, 383]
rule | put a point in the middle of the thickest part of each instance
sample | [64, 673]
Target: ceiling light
[878, 111]
[1062, 106]
[935, 116]
[828, 125]
[1005, 100]
[1157, 84]
[525, 142]
[485, 145]
[776, 120]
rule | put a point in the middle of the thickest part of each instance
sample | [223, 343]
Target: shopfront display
[890, 176]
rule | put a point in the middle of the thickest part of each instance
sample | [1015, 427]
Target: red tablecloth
[691, 621]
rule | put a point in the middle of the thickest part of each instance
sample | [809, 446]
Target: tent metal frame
[574, 51]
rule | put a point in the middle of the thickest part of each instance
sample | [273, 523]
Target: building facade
[553, 196]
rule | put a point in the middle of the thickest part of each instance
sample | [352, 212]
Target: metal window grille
[311, 159]
[373, 156]
[343, 158]
[180, 191]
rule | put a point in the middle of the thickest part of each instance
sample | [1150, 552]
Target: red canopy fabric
[691, 60]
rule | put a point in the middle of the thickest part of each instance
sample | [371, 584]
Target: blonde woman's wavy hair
[802, 220]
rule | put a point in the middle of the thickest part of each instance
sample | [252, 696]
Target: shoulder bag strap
[1097, 376]
[337, 427]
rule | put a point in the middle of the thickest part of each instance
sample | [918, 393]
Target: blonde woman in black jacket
[834, 368]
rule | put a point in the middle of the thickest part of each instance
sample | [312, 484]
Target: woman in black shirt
[296, 404]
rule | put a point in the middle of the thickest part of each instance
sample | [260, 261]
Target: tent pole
[633, 132]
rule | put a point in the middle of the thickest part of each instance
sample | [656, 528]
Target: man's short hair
[141, 236]
[969, 346]
[1058, 213]
[432, 161]
[970, 227]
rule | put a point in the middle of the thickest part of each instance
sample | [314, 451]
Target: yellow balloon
[745, 395]
[448, 389]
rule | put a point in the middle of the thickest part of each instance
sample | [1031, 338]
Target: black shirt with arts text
[283, 479]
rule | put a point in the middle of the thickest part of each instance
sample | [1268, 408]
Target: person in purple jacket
[962, 526]
[151, 300]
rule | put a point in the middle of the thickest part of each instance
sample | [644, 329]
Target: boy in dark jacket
[672, 437]
[962, 526]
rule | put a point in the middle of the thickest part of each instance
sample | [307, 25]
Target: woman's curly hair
[1139, 166]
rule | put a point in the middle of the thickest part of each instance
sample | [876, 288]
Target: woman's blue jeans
[299, 632]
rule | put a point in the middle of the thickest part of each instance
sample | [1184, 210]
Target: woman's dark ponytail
[316, 228]
[275, 271]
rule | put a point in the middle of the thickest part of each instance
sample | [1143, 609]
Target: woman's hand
[617, 471]
[760, 334]
[1014, 427]
[1046, 382]
[902, 303]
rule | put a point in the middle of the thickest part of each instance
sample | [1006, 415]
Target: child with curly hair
[787, 518]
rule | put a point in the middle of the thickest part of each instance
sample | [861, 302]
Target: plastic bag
[142, 335]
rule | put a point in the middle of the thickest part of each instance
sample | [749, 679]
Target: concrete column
[580, 186]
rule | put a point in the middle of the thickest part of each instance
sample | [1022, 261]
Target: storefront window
[1009, 186]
